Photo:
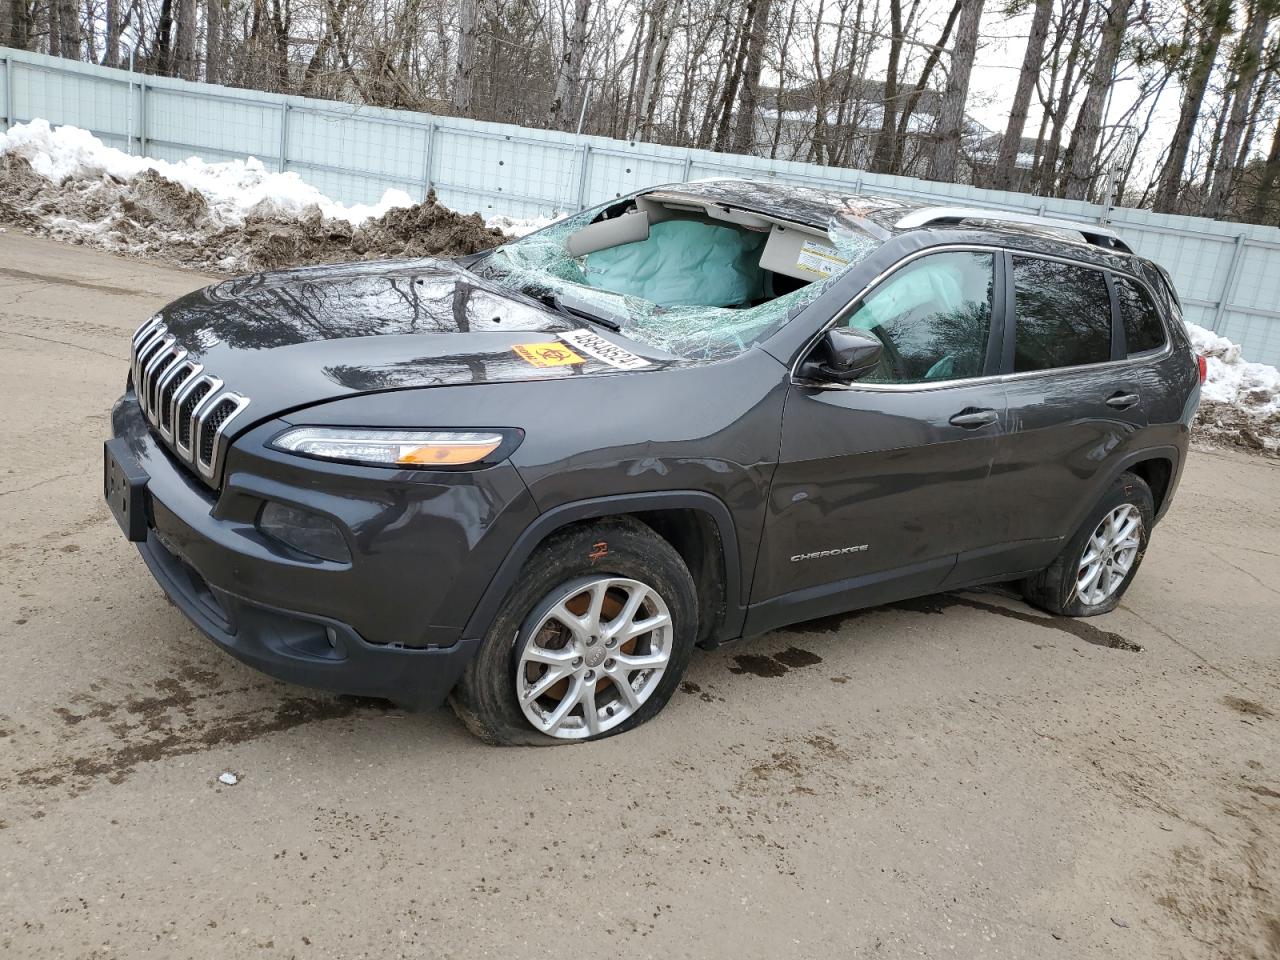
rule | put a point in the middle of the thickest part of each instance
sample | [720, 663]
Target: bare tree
[1246, 67]
[744, 140]
[68, 29]
[951, 116]
[569, 77]
[1032, 61]
[185, 40]
[1214, 20]
[213, 41]
[464, 69]
[1081, 159]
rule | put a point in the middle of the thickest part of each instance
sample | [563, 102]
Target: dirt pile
[157, 218]
[1233, 426]
[427, 229]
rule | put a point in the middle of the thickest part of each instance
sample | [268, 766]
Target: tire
[1066, 587]
[544, 639]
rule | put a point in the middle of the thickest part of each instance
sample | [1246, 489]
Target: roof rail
[1093, 234]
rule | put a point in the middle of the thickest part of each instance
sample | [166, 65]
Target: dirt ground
[953, 777]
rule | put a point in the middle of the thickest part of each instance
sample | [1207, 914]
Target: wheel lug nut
[577, 661]
[591, 641]
[589, 675]
[608, 664]
[610, 642]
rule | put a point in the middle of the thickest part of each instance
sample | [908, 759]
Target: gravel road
[953, 777]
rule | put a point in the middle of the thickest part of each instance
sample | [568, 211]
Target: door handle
[971, 418]
[1122, 401]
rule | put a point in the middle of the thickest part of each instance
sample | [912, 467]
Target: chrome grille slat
[166, 386]
[180, 400]
[170, 363]
[149, 368]
[143, 353]
[180, 390]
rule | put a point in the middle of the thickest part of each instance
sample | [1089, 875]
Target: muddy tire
[1099, 562]
[590, 642]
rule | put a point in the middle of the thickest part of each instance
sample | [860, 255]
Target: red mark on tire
[598, 551]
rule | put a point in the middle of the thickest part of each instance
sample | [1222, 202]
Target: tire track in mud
[105, 737]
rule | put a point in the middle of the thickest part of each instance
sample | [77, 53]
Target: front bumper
[307, 650]
[388, 624]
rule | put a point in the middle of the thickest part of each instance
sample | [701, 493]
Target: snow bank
[1234, 380]
[232, 188]
[232, 216]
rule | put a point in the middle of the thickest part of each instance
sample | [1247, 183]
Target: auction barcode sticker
[604, 350]
[819, 258]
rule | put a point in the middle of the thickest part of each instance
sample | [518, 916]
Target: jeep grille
[186, 407]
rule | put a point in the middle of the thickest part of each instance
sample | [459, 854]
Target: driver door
[882, 483]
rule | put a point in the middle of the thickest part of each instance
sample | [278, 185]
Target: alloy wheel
[591, 654]
[1109, 554]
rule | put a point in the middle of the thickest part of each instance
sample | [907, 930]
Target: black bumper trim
[305, 649]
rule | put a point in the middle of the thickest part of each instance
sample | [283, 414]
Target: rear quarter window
[1063, 315]
[1143, 329]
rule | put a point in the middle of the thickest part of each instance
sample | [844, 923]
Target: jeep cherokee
[532, 480]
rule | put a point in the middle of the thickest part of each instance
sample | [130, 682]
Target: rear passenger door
[1074, 404]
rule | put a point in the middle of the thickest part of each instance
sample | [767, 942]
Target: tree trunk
[162, 55]
[1047, 176]
[1032, 62]
[922, 84]
[663, 26]
[882, 161]
[1245, 69]
[1267, 192]
[744, 137]
[19, 34]
[213, 41]
[946, 154]
[465, 64]
[111, 45]
[733, 79]
[68, 29]
[1217, 20]
[185, 40]
[1080, 162]
[562, 111]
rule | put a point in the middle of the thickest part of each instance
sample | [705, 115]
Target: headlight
[398, 448]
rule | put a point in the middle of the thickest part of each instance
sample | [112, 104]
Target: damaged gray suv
[532, 480]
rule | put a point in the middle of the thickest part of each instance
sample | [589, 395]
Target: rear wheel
[1097, 565]
[592, 640]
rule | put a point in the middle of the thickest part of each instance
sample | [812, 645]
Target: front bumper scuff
[305, 649]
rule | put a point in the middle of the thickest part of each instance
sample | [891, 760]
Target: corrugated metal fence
[1228, 274]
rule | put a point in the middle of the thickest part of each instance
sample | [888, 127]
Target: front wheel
[1097, 565]
[592, 640]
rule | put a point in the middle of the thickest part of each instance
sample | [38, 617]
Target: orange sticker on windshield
[547, 354]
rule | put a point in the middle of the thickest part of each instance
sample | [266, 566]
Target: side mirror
[842, 356]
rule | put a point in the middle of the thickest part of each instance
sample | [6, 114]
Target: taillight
[1203, 364]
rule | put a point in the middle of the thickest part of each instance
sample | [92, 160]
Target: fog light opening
[304, 531]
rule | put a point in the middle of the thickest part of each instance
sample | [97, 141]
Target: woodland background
[1171, 105]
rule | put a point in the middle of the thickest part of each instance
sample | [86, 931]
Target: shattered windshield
[697, 287]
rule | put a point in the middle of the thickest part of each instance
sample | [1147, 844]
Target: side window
[1064, 315]
[933, 317]
[1143, 330]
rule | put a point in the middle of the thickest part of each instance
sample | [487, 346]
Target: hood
[292, 338]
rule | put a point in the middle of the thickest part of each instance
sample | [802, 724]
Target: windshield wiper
[567, 303]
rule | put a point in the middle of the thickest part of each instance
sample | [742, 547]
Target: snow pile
[232, 189]
[1240, 401]
[230, 216]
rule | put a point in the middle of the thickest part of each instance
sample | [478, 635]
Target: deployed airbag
[684, 263]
